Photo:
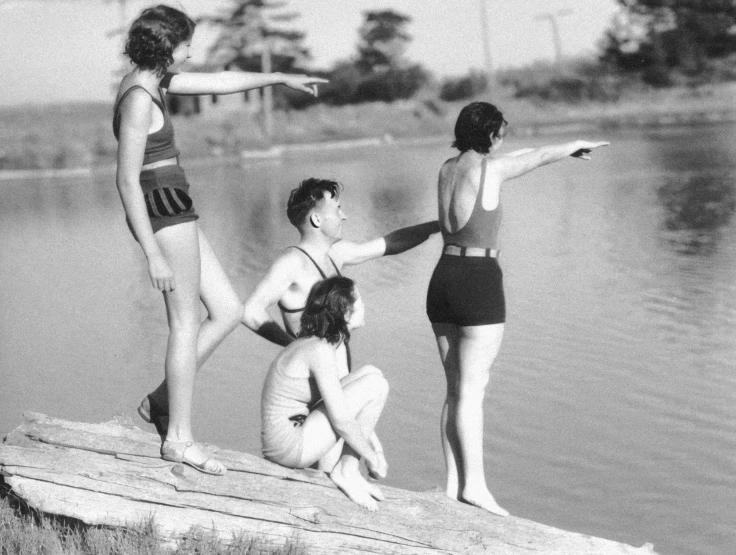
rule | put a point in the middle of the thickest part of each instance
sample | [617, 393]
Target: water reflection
[391, 201]
[697, 191]
[615, 396]
[697, 206]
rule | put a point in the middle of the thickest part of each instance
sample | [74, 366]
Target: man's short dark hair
[305, 197]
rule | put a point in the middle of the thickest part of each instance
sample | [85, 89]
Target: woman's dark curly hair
[475, 125]
[328, 304]
[154, 36]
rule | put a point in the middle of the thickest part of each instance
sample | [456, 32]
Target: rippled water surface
[612, 406]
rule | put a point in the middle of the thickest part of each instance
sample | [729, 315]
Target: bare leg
[329, 460]
[180, 246]
[223, 312]
[366, 394]
[446, 335]
[468, 354]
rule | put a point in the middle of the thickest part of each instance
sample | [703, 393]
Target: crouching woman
[310, 414]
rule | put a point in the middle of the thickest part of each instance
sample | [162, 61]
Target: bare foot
[484, 500]
[354, 487]
[373, 490]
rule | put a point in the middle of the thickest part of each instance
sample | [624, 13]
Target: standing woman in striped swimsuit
[161, 215]
[465, 300]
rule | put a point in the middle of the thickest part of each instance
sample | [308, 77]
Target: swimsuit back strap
[289, 310]
[482, 185]
[324, 276]
[483, 172]
[335, 266]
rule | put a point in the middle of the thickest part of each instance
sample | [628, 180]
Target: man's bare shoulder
[339, 251]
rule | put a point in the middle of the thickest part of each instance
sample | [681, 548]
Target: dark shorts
[166, 192]
[466, 291]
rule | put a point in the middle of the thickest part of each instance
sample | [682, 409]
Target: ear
[314, 220]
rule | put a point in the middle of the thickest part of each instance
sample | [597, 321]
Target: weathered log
[111, 474]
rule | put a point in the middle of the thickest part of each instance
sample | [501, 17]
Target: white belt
[455, 250]
[160, 164]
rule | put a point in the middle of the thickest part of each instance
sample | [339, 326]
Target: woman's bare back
[458, 186]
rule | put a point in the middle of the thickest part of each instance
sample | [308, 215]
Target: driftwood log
[111, 474]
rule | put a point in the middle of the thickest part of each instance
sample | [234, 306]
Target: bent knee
[368, 370]
[228, 315]
[378, 384]
[184, 322]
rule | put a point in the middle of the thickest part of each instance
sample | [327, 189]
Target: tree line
[654, 42]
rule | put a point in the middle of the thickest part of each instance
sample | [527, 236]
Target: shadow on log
[111, 474]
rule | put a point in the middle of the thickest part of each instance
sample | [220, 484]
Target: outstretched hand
[585, 147]
[304, 83]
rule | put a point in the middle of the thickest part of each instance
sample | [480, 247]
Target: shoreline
[575, 124]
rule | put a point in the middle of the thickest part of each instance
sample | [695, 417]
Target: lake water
[612, 406]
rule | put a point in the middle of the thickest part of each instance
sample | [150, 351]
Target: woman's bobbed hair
[154, 36]
[327, 307]
[475, 125]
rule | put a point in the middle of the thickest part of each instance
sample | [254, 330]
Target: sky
[55, 51]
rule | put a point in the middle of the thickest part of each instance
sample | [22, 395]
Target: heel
[154, 414]
[173, 451]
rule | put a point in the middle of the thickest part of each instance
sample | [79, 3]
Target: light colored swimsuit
[285, 403]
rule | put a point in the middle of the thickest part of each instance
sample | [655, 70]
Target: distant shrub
[472, 84]
[349, 85]
[657, 75]
[574, 82]
[344, 82]
[391, 84]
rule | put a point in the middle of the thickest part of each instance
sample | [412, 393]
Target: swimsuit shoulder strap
[478, 205]
[116, 108]
[324, 276]
[132, 88]
[483, 175]
[335, 266]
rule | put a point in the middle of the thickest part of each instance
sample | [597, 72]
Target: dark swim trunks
[166, 192]
[466, 291]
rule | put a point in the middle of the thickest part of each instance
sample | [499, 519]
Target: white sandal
[175, 451]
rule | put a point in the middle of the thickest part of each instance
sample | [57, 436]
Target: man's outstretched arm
[401, 240]
[268, 291]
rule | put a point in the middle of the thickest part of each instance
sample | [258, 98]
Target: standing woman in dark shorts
[465, 300]
[162, 216]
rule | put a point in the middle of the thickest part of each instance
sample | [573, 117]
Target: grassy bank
[80, 135]
[25, 532]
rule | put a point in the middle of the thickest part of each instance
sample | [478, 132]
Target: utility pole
[486, 46]
[123, 21]
[552, 18]
[266, 67]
